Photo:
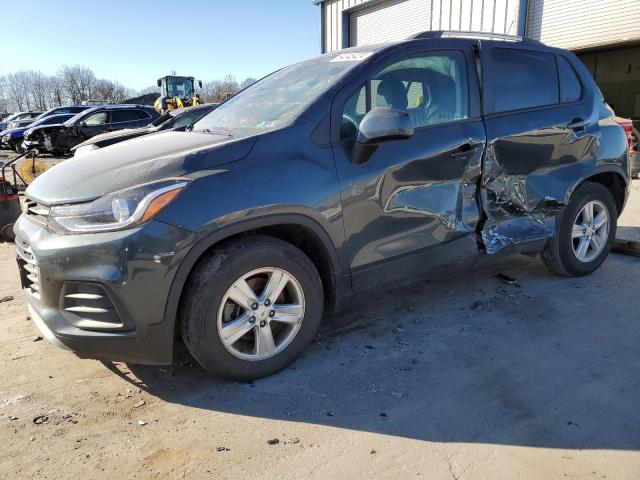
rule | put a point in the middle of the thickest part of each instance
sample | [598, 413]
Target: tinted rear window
[570, 87]
[123, 116]
[523, 79]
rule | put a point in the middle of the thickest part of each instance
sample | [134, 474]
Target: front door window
[432, 88]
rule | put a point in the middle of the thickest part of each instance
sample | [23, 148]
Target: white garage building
[604, 33]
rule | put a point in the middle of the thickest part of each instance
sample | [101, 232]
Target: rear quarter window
[523, 79]
[142, 115]
[570, 86]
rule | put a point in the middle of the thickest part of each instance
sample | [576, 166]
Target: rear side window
[123, 116]
[523, 79]
[570, 87]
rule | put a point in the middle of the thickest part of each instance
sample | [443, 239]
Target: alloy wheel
[260, 314]
[590, 231]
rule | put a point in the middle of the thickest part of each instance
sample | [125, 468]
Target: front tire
[585, 232]
[251, 307]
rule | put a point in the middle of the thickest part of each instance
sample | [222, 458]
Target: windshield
[50, 120]
[180, 87]
[77, 117]
[24, 116]
[13, 116]
[278, 99]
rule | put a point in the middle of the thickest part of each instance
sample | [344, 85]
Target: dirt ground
[465, 378]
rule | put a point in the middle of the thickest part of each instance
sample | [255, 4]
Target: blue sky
[137, 41]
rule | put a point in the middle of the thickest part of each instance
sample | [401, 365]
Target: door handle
[578, 124]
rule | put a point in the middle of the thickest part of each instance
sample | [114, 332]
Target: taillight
[627, 126]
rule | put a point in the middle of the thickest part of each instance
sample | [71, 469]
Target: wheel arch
[610, 177]
[297, 229]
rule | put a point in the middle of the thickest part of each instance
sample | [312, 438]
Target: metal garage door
[388, 21]
[576, 24]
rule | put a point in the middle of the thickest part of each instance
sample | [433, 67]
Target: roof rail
[470, 34]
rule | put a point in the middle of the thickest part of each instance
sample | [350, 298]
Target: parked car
[18, 124]
[632, 142]
[59, 139]
[13, 138]
[17, 116]
[66, 109]
[173, 120]
[634, 150]
[356, 169]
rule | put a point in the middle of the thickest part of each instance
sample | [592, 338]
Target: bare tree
[38, 90]
[112, 92]
[26, 90]
[4, 107]
[145, 90]
[221, 90]
[56, 92]
[78, 82]
[247, 82]
[17, 90]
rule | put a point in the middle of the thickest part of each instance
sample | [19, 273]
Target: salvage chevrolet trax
[353, 169]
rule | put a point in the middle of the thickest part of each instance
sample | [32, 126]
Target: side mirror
[200, 83]
[378, 126]
[159, 82]
[384, 124]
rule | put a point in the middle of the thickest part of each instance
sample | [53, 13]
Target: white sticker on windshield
[352, 57]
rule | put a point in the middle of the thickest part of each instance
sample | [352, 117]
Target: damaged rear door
[541, 138]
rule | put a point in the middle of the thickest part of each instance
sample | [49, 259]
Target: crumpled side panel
[453, 201]
[521, 199]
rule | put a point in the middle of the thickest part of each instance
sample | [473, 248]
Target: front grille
[29, 271]
[36, 211]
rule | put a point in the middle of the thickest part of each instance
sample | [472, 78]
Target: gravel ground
[465, 378]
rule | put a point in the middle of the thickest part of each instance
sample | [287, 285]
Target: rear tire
[217, 307]
[6, 233]
[579, 248]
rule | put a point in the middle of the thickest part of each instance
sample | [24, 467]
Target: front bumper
[31, 145]
[103, 295]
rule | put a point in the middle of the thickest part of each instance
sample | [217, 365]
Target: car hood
[109, 138]
[10, 131]
[47, 128]
[16, 131]
[43, 128]
[137, 161]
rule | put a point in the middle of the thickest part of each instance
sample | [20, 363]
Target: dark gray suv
[348, 171]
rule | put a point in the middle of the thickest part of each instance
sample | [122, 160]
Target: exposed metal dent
[521, 201]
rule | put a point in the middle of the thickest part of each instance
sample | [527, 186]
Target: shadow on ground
[546, 362]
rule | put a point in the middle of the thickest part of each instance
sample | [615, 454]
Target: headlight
[27, 133]
[118, 210]
[5, 138]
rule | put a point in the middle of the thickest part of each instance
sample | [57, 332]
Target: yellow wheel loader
[176, 92]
